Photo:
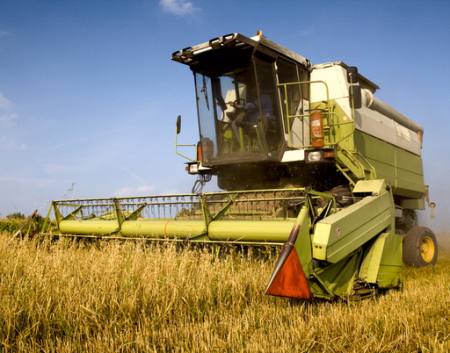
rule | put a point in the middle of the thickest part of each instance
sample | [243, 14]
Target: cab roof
[364, 80]
[188, 55]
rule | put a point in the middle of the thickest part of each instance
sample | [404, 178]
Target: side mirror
[178, 124]
[354, 88]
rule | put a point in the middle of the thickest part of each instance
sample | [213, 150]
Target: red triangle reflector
[290, 280]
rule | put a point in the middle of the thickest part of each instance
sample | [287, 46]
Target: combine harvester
[310, 160]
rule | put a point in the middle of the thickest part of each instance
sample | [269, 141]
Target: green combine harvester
[308, 158]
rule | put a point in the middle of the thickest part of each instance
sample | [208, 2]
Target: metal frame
[247, 205]
[327, 111]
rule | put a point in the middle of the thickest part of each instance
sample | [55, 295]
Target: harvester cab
[261, 108]
[236, 101]
[308, 159]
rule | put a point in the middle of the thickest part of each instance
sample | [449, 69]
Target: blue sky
[89, 95]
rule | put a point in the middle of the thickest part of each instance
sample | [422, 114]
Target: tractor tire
[420, 247]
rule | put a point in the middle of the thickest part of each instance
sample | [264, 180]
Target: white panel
[293, 156]
[336, 79]
[344, 104]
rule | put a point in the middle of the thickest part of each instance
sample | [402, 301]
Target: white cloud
[7, 119]
[141, 190]
[5, 103]
[177, 7]
[7, 144]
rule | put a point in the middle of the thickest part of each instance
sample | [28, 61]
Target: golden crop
[68, 297]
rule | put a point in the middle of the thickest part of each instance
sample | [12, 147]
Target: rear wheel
[420, 247]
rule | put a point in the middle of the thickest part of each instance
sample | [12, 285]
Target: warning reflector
[289, 279]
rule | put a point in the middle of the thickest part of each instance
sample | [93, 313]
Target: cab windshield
[238, 113]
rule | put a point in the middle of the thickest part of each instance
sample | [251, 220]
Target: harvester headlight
[314, 156]
[193, 168]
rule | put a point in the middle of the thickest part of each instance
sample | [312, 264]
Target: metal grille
[255, 205]
[154, 207]
[240, 205]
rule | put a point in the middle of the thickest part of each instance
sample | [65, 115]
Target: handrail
[183, 145]
[288, 117]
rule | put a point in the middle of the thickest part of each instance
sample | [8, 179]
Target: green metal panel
[277, 231]
[400, 168]
[343, 127]
[338, 126]
[90, 226]
[163, 228]
[391, 262]
[371, 263]
[338, 235]
[336, 279]
[413, 204]
[303, 244]
[375, 187]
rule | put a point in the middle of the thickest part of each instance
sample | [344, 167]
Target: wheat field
[111, 297]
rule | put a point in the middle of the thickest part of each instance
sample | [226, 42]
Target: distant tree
[16, 215]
